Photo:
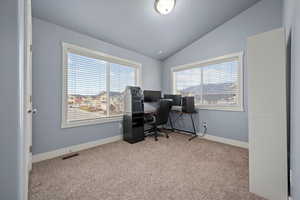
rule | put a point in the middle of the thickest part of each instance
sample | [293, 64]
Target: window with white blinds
[216, 84]
[120, 77]
[93, 86]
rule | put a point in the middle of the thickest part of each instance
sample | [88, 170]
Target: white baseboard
[75, 148]
[226, 141]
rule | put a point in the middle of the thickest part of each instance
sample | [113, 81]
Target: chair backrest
[163, 111]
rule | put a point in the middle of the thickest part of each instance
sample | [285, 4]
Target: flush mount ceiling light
[164, 7]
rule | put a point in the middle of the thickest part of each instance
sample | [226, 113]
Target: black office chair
[161, 117]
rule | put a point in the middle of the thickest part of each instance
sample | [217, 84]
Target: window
[216, 84]
[93, 86]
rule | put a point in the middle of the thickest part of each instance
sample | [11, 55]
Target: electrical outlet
[204, 124]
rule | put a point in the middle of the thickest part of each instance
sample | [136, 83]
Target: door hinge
[30, 149]
[31, 48]
[30, 98]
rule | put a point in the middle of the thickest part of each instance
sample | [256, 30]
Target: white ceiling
[134, 24]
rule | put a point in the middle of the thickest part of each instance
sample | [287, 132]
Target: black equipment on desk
[133, 119]
[176, 99]
[188, 104]
[152, 96]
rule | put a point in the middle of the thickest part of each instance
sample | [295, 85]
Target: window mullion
[108, 89]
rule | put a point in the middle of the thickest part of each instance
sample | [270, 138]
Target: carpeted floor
[170, 169]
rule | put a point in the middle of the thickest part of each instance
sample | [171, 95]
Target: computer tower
[133, 119]
[188, 104]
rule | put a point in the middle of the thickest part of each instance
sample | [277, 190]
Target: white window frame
[235, 56]
[66, 48]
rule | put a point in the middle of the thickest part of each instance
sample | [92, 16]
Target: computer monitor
[152, 96]
[176, 99]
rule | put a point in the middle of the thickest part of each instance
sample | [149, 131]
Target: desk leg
[195, 133]
[171, 123]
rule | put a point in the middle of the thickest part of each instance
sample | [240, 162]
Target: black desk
[151, 108]
[181, 113]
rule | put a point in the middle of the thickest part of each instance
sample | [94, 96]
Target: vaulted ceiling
[135, 25]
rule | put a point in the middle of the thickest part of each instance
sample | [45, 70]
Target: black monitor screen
[152, 96]
[176, 99]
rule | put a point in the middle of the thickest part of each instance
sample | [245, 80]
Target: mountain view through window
[214, 84]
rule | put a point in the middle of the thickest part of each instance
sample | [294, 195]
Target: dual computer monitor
[155, 96]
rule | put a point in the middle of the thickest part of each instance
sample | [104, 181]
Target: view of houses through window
[95, 87]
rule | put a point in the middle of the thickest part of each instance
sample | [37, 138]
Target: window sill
[91, 122]
[216, 108]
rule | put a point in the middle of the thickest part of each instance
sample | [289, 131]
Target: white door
[266, 64]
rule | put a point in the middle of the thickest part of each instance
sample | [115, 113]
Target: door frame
[28, 82]
[25, 138]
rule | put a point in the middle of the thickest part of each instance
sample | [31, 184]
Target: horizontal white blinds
[86, 88]
[215, 84]
[221, 84]
[189, 83]
[95, 87]
[120, 77]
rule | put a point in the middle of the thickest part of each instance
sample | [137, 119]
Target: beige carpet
[170, 169]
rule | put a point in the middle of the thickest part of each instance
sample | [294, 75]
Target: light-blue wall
[228, 38]
[9, 102]
[292, 25]
[47, 85]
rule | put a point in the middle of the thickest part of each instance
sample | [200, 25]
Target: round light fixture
[164, 7]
